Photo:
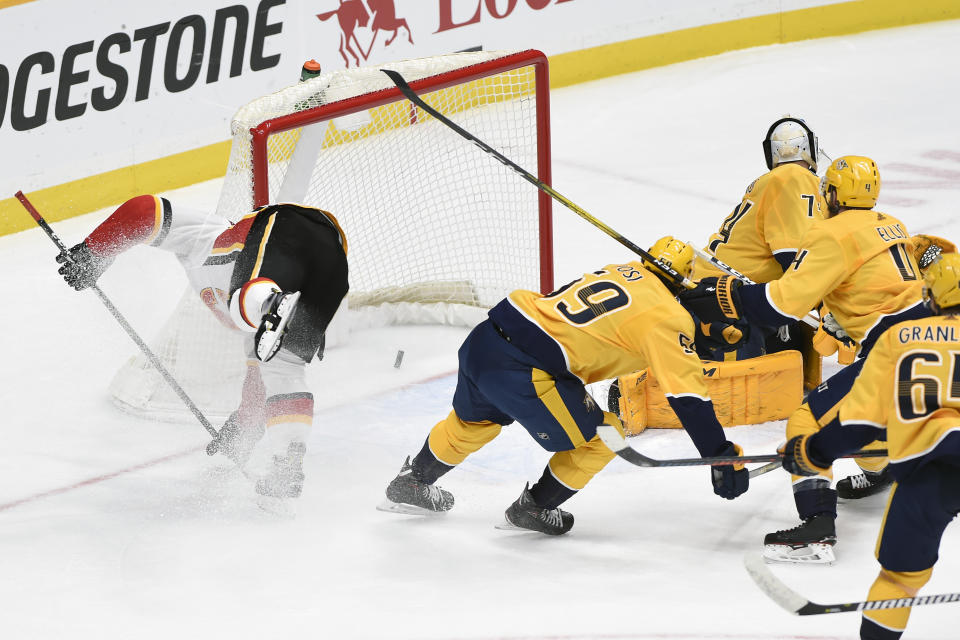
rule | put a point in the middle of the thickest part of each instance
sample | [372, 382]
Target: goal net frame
[138, 388]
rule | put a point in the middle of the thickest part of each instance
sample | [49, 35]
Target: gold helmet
[673, 253]
[856, 181]
[943, 280]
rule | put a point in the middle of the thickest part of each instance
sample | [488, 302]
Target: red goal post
[499, 65]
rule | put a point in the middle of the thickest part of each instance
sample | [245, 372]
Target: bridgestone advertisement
[93, 86]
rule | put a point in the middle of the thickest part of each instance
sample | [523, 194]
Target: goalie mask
[856, 181]
[789, 139]
[674, 254]
[943, 280]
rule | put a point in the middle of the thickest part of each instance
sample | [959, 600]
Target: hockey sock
[549, 492]
[426, 467]
[816, 501]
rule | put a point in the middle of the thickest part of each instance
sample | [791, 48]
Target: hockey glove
[798, 460]
[729, 481]
[831, 337]
[720, 336]
[80, 267]
[237, 438]
[714, 299]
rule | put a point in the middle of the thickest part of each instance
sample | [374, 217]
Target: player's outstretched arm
[140, 220]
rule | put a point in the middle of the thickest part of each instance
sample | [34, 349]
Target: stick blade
[773, 587]
[611, 437]
[618, 444]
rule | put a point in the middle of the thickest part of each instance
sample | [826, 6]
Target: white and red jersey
[206, 245]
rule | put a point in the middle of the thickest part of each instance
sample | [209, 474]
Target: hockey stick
[529, 177]
[767, 468]
[800, 606]
[215, 443]
[618, 444]
[723, 266]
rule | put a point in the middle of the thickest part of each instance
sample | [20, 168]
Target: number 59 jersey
[614, 321]
[910, 385]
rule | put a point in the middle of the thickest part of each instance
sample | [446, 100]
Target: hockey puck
[399, 360]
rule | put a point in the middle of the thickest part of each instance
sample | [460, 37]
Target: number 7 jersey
[762, 234]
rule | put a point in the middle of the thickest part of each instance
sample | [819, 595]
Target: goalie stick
[796, 604]
[215, 443]
[529, 177]
[618, 444]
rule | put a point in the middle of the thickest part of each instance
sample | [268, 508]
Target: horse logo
[356, 13]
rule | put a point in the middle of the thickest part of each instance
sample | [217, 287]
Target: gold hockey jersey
[859, 263]
[618, 320]
[775, 212]
[910, 385]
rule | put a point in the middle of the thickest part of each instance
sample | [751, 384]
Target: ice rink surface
[117, 527]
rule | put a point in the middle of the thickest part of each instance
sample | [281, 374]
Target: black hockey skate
[809, 542]
[863, 484]
[407, 494]
[285, 480]
[279, 307]
[526, 514]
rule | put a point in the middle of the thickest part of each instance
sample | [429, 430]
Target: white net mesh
[432, 223]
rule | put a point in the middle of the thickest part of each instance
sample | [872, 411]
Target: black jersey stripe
[165, 224]
[226, 258]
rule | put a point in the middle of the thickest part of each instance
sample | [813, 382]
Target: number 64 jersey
[910, 386]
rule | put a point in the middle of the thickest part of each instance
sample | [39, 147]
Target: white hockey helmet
[790, 139]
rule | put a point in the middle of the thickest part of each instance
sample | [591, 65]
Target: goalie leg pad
[748, 391]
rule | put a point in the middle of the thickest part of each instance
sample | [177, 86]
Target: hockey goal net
[438, 231]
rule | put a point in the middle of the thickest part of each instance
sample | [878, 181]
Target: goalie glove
[720, 336]
[714, 299]
[80, 267]
[798, 460]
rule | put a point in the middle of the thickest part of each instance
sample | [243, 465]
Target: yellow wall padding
[743, 392]
[712, 39]
[115, 187]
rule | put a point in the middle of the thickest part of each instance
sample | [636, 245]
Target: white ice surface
[115, 527]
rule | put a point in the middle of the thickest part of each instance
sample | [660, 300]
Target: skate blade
[281, 507]
[407, 509]
[267, 345]
[506, 525]
[809, 554]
